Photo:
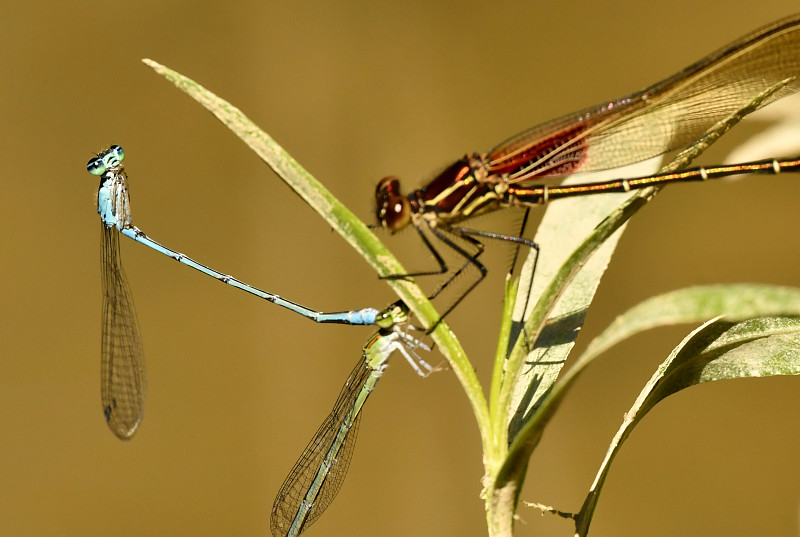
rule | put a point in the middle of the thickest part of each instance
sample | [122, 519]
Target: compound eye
[385, 320]
[388, 185]
[117, 153]
[96, 166]
[397, 214]
[393, 209]
[396, 313]
[113, 157]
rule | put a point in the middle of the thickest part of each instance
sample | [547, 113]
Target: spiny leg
[471, 259]
[436, 255]
[517, 326]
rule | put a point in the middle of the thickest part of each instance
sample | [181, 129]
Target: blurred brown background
[355, 90]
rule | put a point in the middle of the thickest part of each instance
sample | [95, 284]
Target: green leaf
[344, 222]
[570, 283]
[695, 304]
[529, 391]
[718, 350]
[507, 465]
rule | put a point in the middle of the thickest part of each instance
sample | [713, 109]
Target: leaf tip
[152, 64]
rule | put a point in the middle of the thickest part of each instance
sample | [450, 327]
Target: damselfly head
[394, 314]
[392, 208]
[109, 159]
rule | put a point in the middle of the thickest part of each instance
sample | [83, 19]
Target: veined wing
[665, 116]
[294, 489]
[122, 371]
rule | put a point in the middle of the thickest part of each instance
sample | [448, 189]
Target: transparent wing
[122, 370]
[333, 439]
[668, 115]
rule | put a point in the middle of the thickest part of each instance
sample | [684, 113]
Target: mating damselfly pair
[661, 118]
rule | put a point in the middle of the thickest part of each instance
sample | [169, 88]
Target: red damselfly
[664, 117]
